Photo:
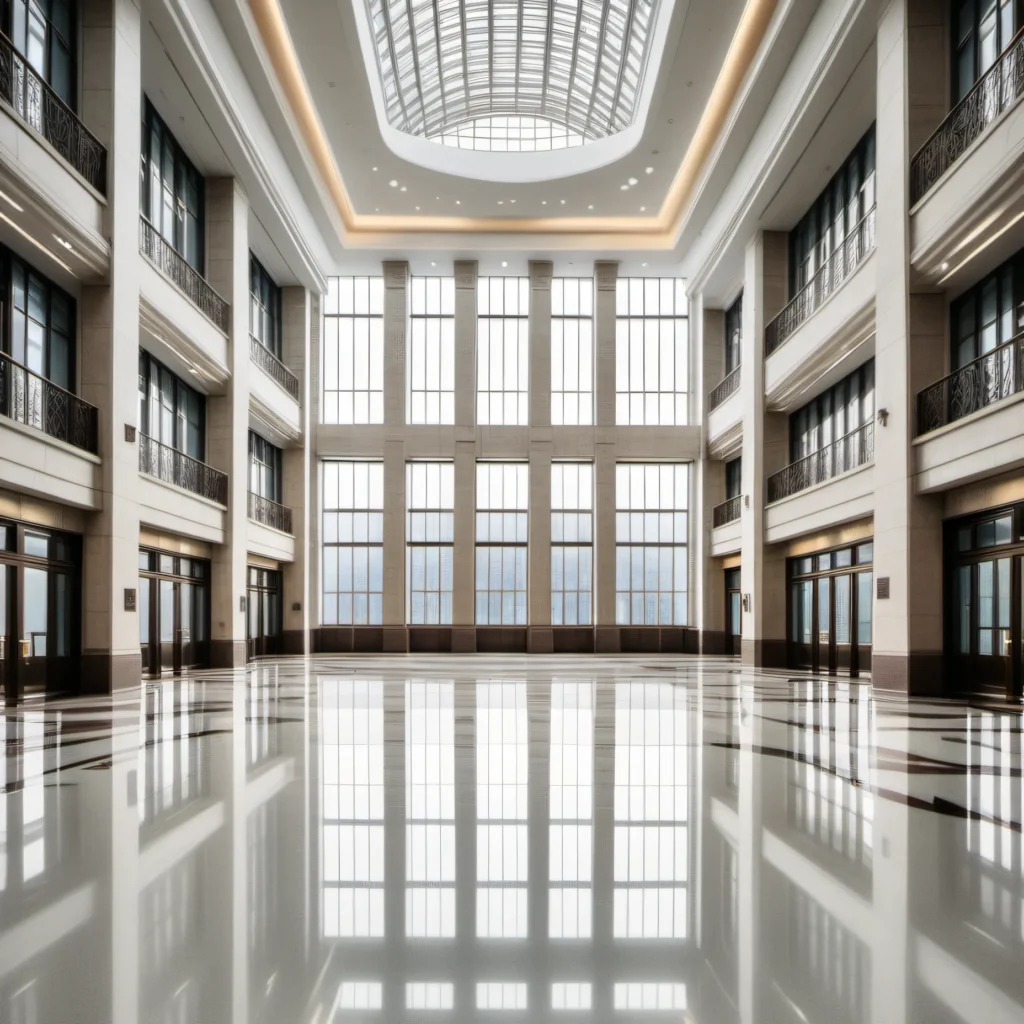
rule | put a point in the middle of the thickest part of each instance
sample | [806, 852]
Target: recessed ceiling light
[61, 241]
[632, 181]
[7, 199]
[511, 200]
[943, 266]
[543, 202]
[403, 189]
[393, 183]
[591, 206]
[458, 202]
[504, 263]
[417, 207]
[624, 188]
[643, 209]
[375, 168]
[648, 170]
[433, 263]
[501, 202]
[643, 264]
[562, 201]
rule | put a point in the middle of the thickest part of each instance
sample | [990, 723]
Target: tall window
[834, 215]
[43, 31]
[571, 846]
[981, 30]
[502, 767]
[650, 544]
[354, 350]
[352, 748]
[989, 314]
[170, 411]
[845, 407]
[264, 468]
[430, 808]
[734, 477]
[650, 851]
[172, 190]
[430, 487]
[650, 352]
[42, 332]
[502, 360]
[264, 307]
[502, 500]
[572, 351]
[733, 335]
[431, 369]
[353, 543]
[572, 542]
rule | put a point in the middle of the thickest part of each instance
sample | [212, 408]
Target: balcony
[984, 381]
[37, 402]
[727, 512]
[998, 91]
[174, 467]
[831, 276]
[270, 513]
[273, 367]
[851, 451]
[38, 106]
[728, 386]
[173, 266]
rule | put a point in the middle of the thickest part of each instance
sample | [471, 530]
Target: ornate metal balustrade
[178, 270]
[270, 513]
[729, 385]
[174, 467]
[854, 449]
[37, 402]
[983, 381]
[831, 276]
[273, 367]
[998, 90]
[727, 512]
[46, 113]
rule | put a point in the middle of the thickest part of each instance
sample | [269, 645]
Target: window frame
[582, 546]
[180, 414]
[373, 316]
[579, 318]
[265, 460]
[446, 326]
[502, 545]
[486, 293]
[264, 308]
[734, 336]
[440, 544]
[54, 38]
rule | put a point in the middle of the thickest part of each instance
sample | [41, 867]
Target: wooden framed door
[7, 680]
[843, 625]
[823, 655]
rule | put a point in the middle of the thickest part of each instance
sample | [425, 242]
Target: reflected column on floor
[750, 837]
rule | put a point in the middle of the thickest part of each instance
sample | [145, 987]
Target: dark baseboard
[293, 641]
[540, 640]
[463, 640]
[607, 640]
[501, 640]
[228, 654]
[105, 673]
[712, 641]
[918, 674]
[396, 640]
[764, 653]
[572, 640]
[350, 640]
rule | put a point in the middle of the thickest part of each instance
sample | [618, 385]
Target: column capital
[396, 273]
[465, 273]
[541, 272]
[607, 274]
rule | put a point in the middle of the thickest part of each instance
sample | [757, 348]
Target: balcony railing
[831, 276]
[270, 513]
[37, 402]
[47, 114]
[996, 91]
[727, 512]
[983, 381]
[174, 467]
[855, 449]
[273, 367]
[179, 271]
[729, 385]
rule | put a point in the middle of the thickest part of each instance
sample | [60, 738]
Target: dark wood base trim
[540, 640]
[501, 640]
[607, 640]
[763, 653]
[572, 640]
[105, 673]
[293, 641]
[228, 653]
[463, 639]
[396, 640]
[712, 641]
[918, 674]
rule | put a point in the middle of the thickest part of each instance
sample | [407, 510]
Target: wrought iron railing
[270, 513]
[46, 113]
[727, 512]
[37, 402]
[831, 276]
[177, 269]
[983, 381]
[996, 91]
[174, 467]
[729, 385]
[856, 448]
[273, 367]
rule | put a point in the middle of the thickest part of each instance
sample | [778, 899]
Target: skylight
[511, 75]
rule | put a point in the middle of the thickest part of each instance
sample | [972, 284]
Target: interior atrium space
[512, 510]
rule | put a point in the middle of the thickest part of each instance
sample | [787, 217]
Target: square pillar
[540, 343]
[606, 277]
[396, 636]
[396, 288]
[606, 639]
[464, 548]
[227, 416]
[465, 344]
[539, 575]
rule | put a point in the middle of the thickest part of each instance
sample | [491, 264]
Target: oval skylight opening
[510, 135]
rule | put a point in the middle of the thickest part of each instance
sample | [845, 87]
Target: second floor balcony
[838, 267]
[174, 467]
[727, 512]
[980, 383]
[726, 388]
[854, 449]
[273, 367]
[270, 513]
[28, 398]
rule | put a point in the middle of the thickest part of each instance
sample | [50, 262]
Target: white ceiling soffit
[579, 68]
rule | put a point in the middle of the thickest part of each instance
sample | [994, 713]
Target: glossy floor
[402, 839]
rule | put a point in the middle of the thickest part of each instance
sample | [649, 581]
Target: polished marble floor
[485, 838]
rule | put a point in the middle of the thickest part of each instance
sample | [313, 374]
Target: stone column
[227, 416]
[111, 103]
[909, 340]
[540, 343]
[465, 342]
[605, 276]
[606, 637]
[464, 549]
[539, 576]
[312, 421]
[764, 452]
[296, 315]
[396, 287]
[396, 635]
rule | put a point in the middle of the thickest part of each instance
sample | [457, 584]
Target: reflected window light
[3, 813]
[430, 809]
[502, 765]
[262, 700]
[501, 995]
[570, 995]
[649, 995]
[650, 852]
[23, 1004]
[352, 770]
[570, 901]
[359, 995]
[429, 995]
[33, 797]
[170, 924]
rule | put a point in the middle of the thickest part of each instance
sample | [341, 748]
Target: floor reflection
[617, 839]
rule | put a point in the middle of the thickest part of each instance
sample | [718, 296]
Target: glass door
[733, 618]
[165, 615]
[34, 625]
[843, 622]
[5, 630]
[185, 613]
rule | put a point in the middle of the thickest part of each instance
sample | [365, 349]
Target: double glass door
[733, 613]
[173, 612]
[263, 618]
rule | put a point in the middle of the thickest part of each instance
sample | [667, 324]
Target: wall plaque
[882, 589]
[129, 599]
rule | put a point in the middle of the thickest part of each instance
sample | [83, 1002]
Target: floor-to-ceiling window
[265, 478]
[170, 411]
[572, 351]
[503, 351]
[431, 360]
[572, 543]
[264, 307]
[353, 356]
[833, 415]
[984, 318]
[734, 335]
[502, 501]
[430, 537]
[980, 31]
[44, 32]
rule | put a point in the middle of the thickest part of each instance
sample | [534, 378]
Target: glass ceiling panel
[574, 64]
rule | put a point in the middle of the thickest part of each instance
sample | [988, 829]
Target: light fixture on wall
[746, 602]
[883, 416]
